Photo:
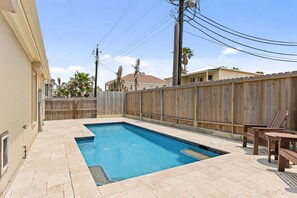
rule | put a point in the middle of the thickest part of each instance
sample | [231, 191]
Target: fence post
[74, 109]
[196, 106]
[232, 107]
[161, 105]
[140, 104]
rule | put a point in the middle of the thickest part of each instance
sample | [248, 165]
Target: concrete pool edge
[210, 151]
[130, 182]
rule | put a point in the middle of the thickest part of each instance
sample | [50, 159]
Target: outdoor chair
[256, 132]
[285, 154]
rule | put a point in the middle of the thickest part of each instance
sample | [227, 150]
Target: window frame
[210, 77]
[4, 136]
[34, 113]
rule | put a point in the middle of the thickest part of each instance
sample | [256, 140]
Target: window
[192, 79]
[201, 79]
[34, 97]
[46, 90]
[210, 77]
[4, 152]
[130, 87]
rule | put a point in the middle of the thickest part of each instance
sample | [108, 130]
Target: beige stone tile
[58, 179]
[228, 187]
[161, 189]
[86, 192]
[139, 181]
[29, 191]
[143, 192]
[68, 190]
[23, 179]
[110, 189]
[54, 195]
[41, 178]
[201, 190]
[82, 179]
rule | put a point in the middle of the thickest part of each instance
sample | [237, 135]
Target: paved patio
[55, 168]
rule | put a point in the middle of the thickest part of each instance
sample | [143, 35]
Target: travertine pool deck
[55, 168]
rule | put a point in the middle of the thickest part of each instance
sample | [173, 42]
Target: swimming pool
[120, 151]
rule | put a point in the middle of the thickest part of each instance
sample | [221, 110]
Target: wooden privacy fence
[70, 108]
[221, 105]
[110, 103]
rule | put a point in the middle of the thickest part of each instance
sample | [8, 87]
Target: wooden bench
[284, 154]
[257, 132]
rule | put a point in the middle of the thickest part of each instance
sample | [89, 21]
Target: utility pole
[96, 70]
[178, 39]
[175, 55]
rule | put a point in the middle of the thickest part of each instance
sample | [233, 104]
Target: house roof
[209, 68]
[142, 79]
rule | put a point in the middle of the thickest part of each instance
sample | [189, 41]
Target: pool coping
[207, 148]
[90, 135]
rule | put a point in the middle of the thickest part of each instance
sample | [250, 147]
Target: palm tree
[136, 73]
[119, 80]
[62, 90]
[113, 86]
[81, 85]
[187, 54]
[59, 81]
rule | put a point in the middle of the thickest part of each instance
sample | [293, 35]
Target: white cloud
[162, 68]
[228, 51]
[66, 73]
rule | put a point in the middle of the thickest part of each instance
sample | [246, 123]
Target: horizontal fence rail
[223, 105]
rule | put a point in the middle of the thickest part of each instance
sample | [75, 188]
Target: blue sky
[72, 28]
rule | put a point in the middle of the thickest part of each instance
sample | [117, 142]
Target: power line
[246, 36]
[139, 19]
[255, 48]
[204, 38]
[155, 35]
[144, 35]
[141, 37]
[107, 68]
[130, 6]
[250, 53]
[133, 49]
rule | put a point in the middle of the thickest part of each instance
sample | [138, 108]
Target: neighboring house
[144, 82]
[210, 73]
[23, 69]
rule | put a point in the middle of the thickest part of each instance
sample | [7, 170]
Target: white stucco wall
[16, 97]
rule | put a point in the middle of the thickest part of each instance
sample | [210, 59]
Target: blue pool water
[125, 151]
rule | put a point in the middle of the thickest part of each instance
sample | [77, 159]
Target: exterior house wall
[142, 86]
[15, 103]
[227, 74]
[18, 101]
[218, 74]
[188, 78]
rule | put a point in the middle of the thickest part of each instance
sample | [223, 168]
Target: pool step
[195, 154]
[99, 175]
